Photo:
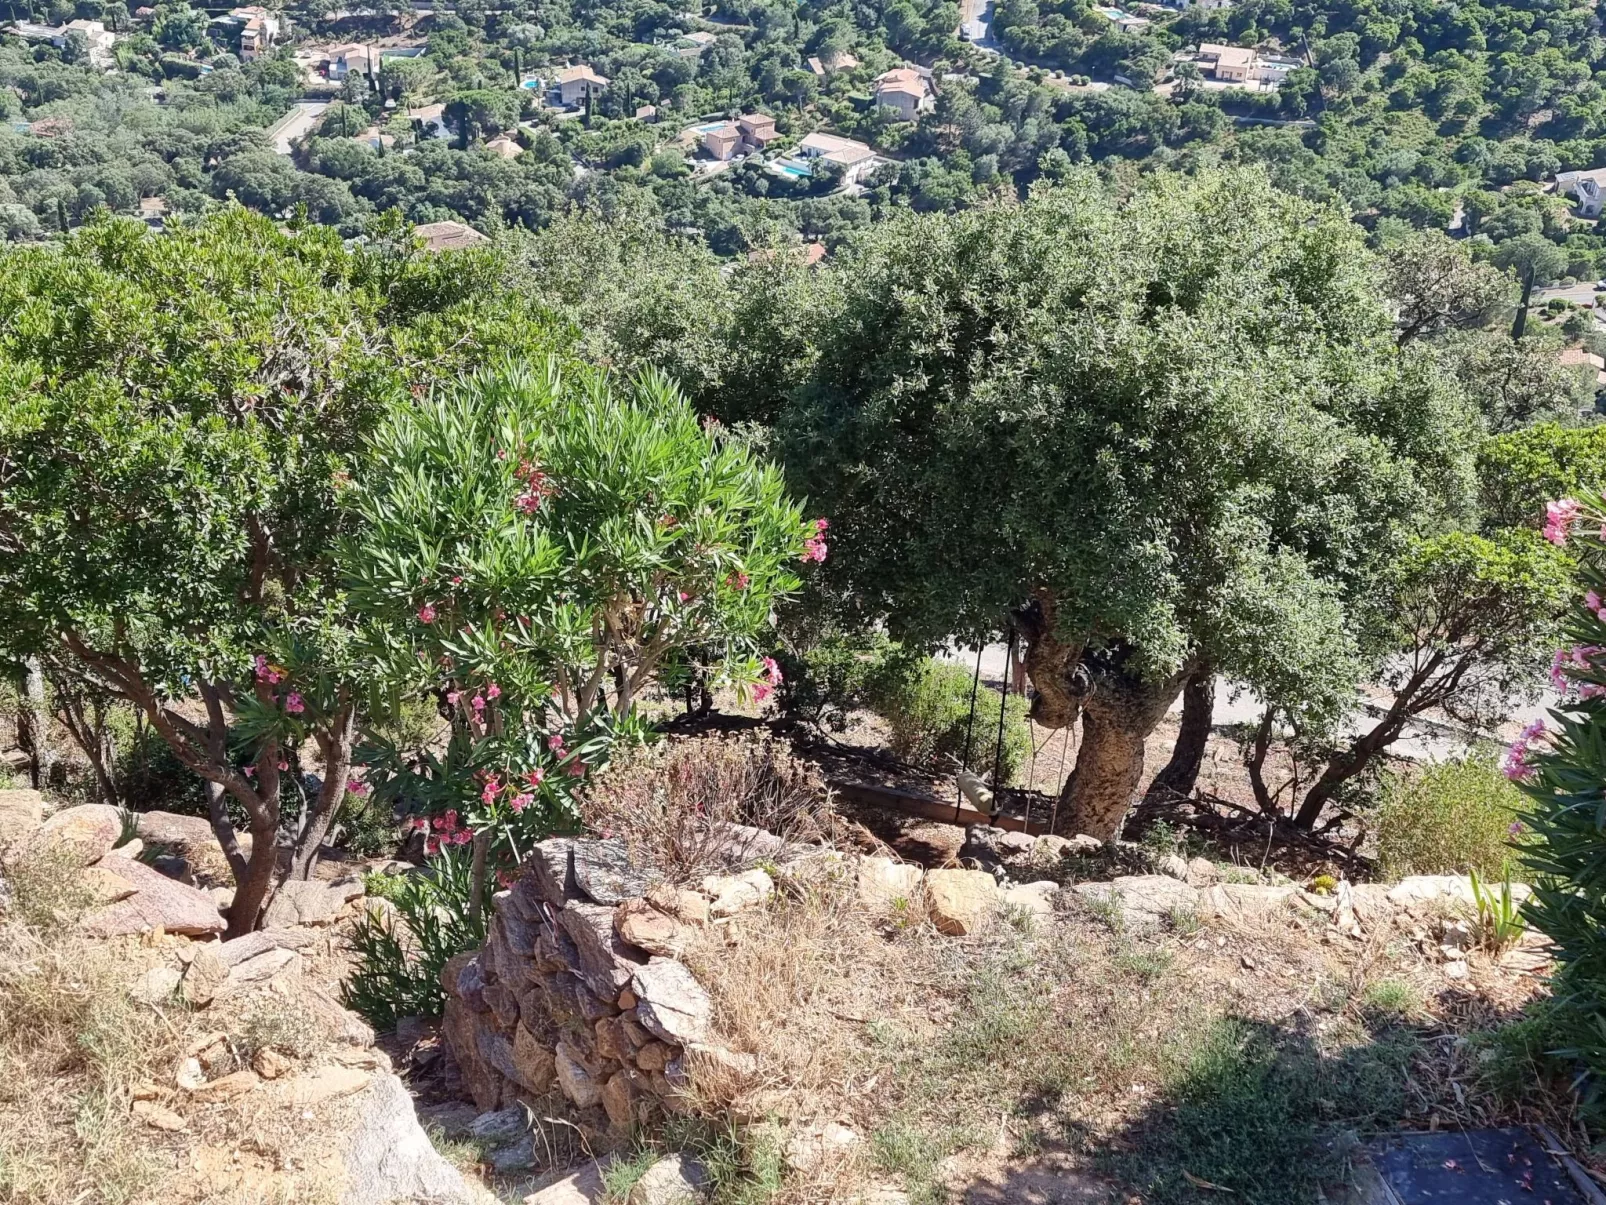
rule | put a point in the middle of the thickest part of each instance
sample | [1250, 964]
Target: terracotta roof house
[448, 236]
[574, 84]
[904, 91]
[1577, 357]
[504, 146]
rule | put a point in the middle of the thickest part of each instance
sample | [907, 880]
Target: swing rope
[1003, 708]
[970, 726]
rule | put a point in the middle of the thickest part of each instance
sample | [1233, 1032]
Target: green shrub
[400, 957]
[836, 675]
[1452, 818]
[927, 703]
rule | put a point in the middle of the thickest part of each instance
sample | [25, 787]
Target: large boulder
[157, 902]
[389, 1158]
[310, 902]
[960, 901]
[883, 882]
[75, 837]
[640, 924]
[676, 1180]
[21, 813]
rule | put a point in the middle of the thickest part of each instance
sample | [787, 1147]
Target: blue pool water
[796, 170]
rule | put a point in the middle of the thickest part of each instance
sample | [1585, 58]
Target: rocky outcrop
[578, 987]
[21, 813]
[389, 1158]
[155, 902]
[74, 837]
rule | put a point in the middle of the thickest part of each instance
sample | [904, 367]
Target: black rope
[970, 726]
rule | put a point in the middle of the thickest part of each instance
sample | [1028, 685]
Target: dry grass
[1228, 1052]
[71, 1045]
[76, 1050]
[698, 807]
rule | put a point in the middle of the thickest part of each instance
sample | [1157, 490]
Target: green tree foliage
[178, 415]
[1086, 411]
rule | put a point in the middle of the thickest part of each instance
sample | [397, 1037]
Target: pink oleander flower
[762, 691]
[284, 765]
[426, 613]
[821, 526]
[578, 769]
[450, 816]
[249, 771]
[432, 846]
[462, 837]
[535, 777]
[1559, 516]
[478, 704]
[555, 742]
[682, 596]
[261, 663]
[293, 703]
[521, 801]
[489, 794]
[452, 696]
[771, 671]
[738, 581]
[813, 550]
[493, 691]
[357, 787]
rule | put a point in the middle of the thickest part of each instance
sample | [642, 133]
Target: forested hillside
[1407, 114]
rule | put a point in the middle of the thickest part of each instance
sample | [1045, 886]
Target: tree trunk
[1054, 666]
[335, 749]
[252, 888]
[1521, 323]
[1117, 715]
[1348, 765]
[1179, 775]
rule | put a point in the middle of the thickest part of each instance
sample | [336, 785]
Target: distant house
[431, 121]
[1243, 65]
[353, 58]
[647, 113]
[153, 211]
[757, 129]
[374, 139]
[700, 41]
[504, 146]
[574, 84]
[99, 39]
[856, 158]
[903, 91]
[810, 253]
[722, 141]
[840, 60]
[448, 236]
[258, 28]
[749, 133]
[1586, 187]
[1124, 21]
[1577, 357]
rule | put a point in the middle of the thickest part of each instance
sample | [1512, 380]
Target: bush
[927, 703]
[676, 803]
[1452, 818]
[837, 675]
[400, 955]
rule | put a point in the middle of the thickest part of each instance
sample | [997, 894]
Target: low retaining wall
[578, 989]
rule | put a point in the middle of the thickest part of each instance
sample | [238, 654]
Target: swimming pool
[531, 85]
[797, 171]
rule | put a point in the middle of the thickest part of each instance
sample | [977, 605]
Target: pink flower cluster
[426, 613]
[538, 487]
[771, 679]
[814, 546]
[446, 831]
[357, 787]
[1579, 657]
[479, 700]
[1559, 516]
[1517, 764]
[266, 671]
[293, 703]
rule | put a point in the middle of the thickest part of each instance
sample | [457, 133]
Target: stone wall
[578, 988]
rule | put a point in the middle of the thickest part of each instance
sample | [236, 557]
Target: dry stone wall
[578, 988]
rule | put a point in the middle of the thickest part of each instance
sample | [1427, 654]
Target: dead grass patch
[1227, 1052]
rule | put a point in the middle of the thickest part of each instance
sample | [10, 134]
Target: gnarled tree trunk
[1054, 666]
[1117, 716]
[1178, 776]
